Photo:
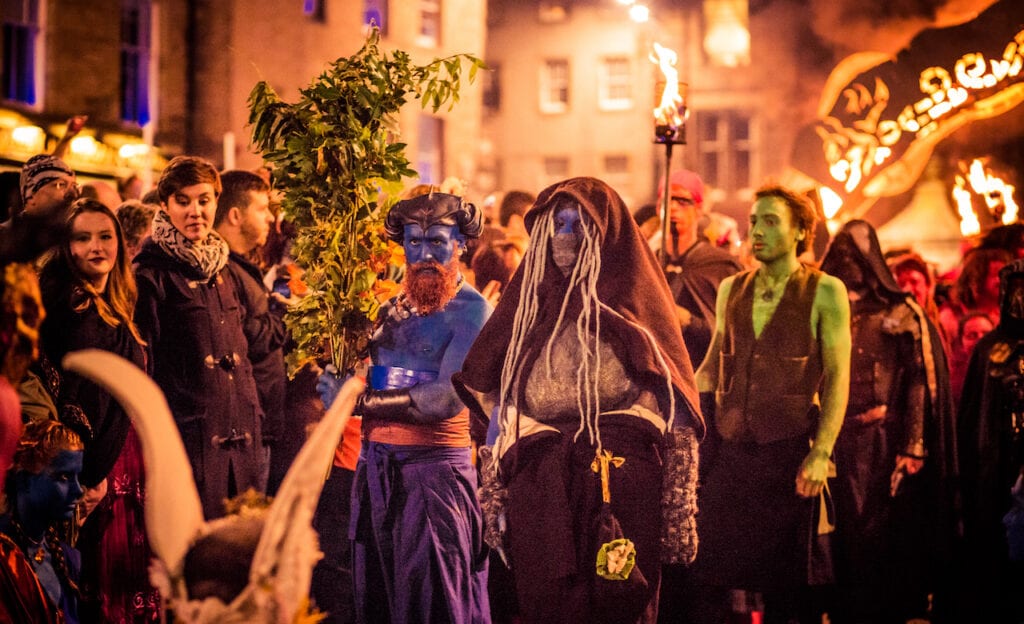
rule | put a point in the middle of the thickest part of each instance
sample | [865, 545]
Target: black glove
[386, 405]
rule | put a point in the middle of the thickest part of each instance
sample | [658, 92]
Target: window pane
[554, 86]
[19, 63]
[616, 164]
[710, 170]
[615, 84]
[135, 51]
[556, 166]
[492, 88]
[430, 22]
[740, 128]
[708, 127]
[376, 11]
[430, 150]
[741, 169]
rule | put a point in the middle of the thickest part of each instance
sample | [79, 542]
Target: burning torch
[669, 128]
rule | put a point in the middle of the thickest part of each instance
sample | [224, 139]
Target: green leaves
[339, 168]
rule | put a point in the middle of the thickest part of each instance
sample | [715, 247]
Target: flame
[667, 112]
[996, 192]
[969, 225]
[831, 202]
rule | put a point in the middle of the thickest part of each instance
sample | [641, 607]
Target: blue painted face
[438, 242]
[565, 245]
[51, 495]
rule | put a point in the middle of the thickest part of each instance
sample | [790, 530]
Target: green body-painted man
[779, 365]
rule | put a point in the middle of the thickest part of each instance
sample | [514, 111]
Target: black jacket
[66, 330]
[265, 330]
[194, 327]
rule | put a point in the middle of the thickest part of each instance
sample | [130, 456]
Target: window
[615, 84]
[555, 169]
[554, 86]
[21, 28]
[430, 150]
[135, 31]
[430, 24]
[313, 9]
[616, 164]
[725, 148]
[492, 88]
[552, 11]
[556, 166]
[376, 12]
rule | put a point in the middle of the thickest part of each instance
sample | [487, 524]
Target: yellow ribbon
[600, 465]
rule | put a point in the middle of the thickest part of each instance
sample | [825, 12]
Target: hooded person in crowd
[596, 414]
[991, 444]
[898, 420]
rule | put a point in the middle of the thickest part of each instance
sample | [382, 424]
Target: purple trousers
[418, 551]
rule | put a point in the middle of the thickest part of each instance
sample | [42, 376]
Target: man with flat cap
[416, 523]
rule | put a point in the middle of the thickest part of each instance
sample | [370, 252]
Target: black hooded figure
[992, 457]
[893, 456]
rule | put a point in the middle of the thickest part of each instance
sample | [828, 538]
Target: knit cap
[39, 171]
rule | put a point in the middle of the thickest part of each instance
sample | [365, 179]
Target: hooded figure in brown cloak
[596, 412]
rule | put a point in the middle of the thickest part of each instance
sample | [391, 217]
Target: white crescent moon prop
[174, 514]
[282, 566]
[288, 547]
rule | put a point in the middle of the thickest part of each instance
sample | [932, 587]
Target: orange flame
[667, 112]
[996, 193]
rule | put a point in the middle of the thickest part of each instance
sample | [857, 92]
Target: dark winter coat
[66, 330]
[264, 329]
[194, 327]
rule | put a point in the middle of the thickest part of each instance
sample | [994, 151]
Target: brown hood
[631, 283]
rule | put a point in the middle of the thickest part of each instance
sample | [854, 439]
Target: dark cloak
[631, 283]
[693, 279]
[860, 241]
[928, 505]
[991, 456]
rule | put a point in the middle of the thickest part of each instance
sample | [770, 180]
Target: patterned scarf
[207, 257]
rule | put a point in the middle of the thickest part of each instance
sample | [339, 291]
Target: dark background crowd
[114, 273]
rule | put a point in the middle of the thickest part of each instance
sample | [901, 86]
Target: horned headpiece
[285, 542]
[433, 209]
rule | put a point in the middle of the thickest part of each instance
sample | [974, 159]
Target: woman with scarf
[597, 411]
[89, 295]
[189, 313]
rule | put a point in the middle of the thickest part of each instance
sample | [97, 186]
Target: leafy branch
[339, 165]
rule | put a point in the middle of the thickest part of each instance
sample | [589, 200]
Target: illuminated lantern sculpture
[881, 118]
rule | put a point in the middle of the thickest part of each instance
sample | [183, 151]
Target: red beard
[431, 285]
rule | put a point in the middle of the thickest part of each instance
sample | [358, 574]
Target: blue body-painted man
[418, 553]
